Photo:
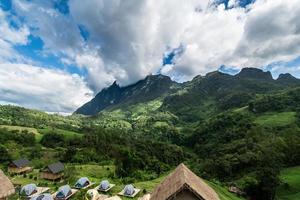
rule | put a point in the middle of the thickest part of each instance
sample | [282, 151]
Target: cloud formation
[9, 37]
[126, 40]
[47, 89]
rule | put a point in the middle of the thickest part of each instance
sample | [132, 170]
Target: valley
[241, 130]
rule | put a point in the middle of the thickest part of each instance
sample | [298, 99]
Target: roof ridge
[182, 176]
[185, 173]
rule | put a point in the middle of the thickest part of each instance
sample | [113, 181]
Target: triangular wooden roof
[7, 187]
[181, 179]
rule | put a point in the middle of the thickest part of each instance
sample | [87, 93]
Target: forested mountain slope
[239, 130]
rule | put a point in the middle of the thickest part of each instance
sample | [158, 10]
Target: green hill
[237, 130]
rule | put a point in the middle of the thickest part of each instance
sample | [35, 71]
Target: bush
[4, 156]
[53, 140]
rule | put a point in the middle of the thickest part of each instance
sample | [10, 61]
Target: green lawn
[276, 119]
[290, 189]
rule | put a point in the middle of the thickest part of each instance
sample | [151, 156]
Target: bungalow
[53, 172]
[19, 166]
[6, 188]
[183, 184]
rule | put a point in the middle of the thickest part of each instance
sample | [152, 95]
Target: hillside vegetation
[240, 130]
[290, 188]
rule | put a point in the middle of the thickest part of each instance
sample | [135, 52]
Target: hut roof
[129, 189]
[56, 167]
[45, 196]
[64, 191]
[28, 189]
[7, 187]
[183, 178]
[104, 185]
[82, 182]
[21, 162]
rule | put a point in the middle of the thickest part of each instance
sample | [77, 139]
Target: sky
[56, 55]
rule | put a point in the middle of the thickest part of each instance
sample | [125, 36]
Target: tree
[4, 156]
[53, 140]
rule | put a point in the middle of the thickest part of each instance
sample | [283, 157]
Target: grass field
[290, 189]
[67, 134]
[38, 136]
[277, 119]
[39, 132]
[223, 193]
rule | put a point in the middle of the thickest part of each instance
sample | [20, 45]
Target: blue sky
[69, 51]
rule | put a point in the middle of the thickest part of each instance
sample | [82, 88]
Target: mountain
[238, 130]
[194, 99]
[152, 87]
[254, 73]
[287, 79]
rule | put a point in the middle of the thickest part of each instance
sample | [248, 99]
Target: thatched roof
[7, 187]
[183, 179]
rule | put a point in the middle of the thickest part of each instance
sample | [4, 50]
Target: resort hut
[53, 171]
[129, 191]
[6, 187]
[105, 186]
[31, 190]
[83, 182]
[64, 192]
[183, 184]
[28, 190]
[93, 194]
[19, 166]
[45, 196]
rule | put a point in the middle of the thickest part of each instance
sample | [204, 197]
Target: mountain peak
[215, 74]
[157, 76]
[114, 85]
[287, 78]
[151, 87]
[254, 73]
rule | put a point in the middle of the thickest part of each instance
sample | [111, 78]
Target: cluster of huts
[181, 184]
[51, 172]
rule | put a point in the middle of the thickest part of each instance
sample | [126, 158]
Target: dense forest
[239, 130]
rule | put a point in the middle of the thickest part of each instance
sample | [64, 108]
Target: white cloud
[9, 37]
[96, 71]
[59, 33]
[9, 34]
[46, 89]
[127, 39]
[133, 35]
[272, 33]
[32, 86]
